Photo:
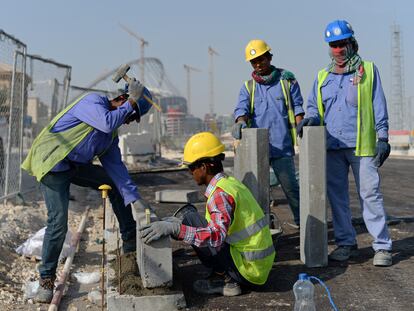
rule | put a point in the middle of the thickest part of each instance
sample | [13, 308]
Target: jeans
[368, 186]
[284, 169]
[221, 260]
[55, 188]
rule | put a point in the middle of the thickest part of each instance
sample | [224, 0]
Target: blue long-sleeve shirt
[270, 112]
[340, 98]
[94, 110]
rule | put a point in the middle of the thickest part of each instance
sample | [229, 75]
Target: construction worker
[62, 155]
[233, 239]
[348, 98]
[272, 100]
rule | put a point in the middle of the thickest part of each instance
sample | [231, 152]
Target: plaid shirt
[221, 207]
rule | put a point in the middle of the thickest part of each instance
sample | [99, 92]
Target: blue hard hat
[338, 30]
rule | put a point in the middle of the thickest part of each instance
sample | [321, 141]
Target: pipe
[54, 305]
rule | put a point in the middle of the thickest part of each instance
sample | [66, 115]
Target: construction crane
[142, 44]
[211, 53]
[188, 70]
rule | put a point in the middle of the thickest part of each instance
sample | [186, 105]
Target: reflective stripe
[251, 256]
[247, 232]
[285, 85]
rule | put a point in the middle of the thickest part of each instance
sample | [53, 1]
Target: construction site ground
[355, 285]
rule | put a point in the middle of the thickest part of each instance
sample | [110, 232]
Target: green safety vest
[366, 135]
[48, 149]
[251, 87]
[251, 245]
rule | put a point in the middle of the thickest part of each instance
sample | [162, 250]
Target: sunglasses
[193, 166]
[338, 44]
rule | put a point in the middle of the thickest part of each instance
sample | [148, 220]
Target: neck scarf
[345, 61]
[266, 79]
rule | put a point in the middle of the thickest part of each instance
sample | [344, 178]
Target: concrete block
[171, 300]
[313, 223]
[117, 302]
[154, 260]
[251, 164]
[177, 196]
[135, 146]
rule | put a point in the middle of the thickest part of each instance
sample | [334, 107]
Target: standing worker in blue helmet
[348, 98]
[272, 100]
[62, 155]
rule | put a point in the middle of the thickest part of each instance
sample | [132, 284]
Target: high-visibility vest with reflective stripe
[285, 84]
[251, 245]
[48, 149]
[366, 135]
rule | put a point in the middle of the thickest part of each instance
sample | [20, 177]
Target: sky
[86, 35]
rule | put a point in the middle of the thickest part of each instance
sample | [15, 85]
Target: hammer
[121, 73]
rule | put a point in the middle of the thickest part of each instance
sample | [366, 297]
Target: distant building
[39, 114]
[6, 81]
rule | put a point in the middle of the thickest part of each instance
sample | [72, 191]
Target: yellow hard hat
[255, 48]
[202, 145]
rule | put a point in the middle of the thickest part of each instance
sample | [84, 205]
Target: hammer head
[120, 73]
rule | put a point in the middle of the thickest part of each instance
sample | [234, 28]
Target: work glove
[159, 229]
[237, 127]
[311, 121]
[135, 89]
[172, 219]
[382, 151]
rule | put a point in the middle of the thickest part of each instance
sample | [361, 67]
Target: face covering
[345, 59]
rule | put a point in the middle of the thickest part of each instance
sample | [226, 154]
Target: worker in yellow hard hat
[222, 239]
[272, 100]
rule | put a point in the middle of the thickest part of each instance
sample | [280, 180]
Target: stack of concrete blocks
[177, 196]
[251, 164]
[136, 147]
[313, 223]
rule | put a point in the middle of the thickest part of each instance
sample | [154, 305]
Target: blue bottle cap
[303, 277]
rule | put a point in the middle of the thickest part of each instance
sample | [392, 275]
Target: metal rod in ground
[105, 189]
[118, 253]
[68, 263]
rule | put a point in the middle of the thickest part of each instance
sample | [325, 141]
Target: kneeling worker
[234, 238]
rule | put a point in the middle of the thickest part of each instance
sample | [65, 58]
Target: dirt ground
[356, 285]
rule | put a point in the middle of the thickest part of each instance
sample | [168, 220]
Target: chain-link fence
[32, 91]
[46, 95]
[13, 82]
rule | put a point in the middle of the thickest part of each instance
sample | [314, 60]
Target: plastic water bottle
[303, 290]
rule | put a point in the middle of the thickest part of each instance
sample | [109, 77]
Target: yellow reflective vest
[366, 134]
[285, 84]
[48, 149]
[251, 245]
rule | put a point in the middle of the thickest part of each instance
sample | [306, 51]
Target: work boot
[382, 258]
[129, 246]
[45, 292]
[218, 284]
[343, 252]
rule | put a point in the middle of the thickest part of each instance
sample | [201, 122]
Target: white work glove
[135, 89]
[159, 229]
